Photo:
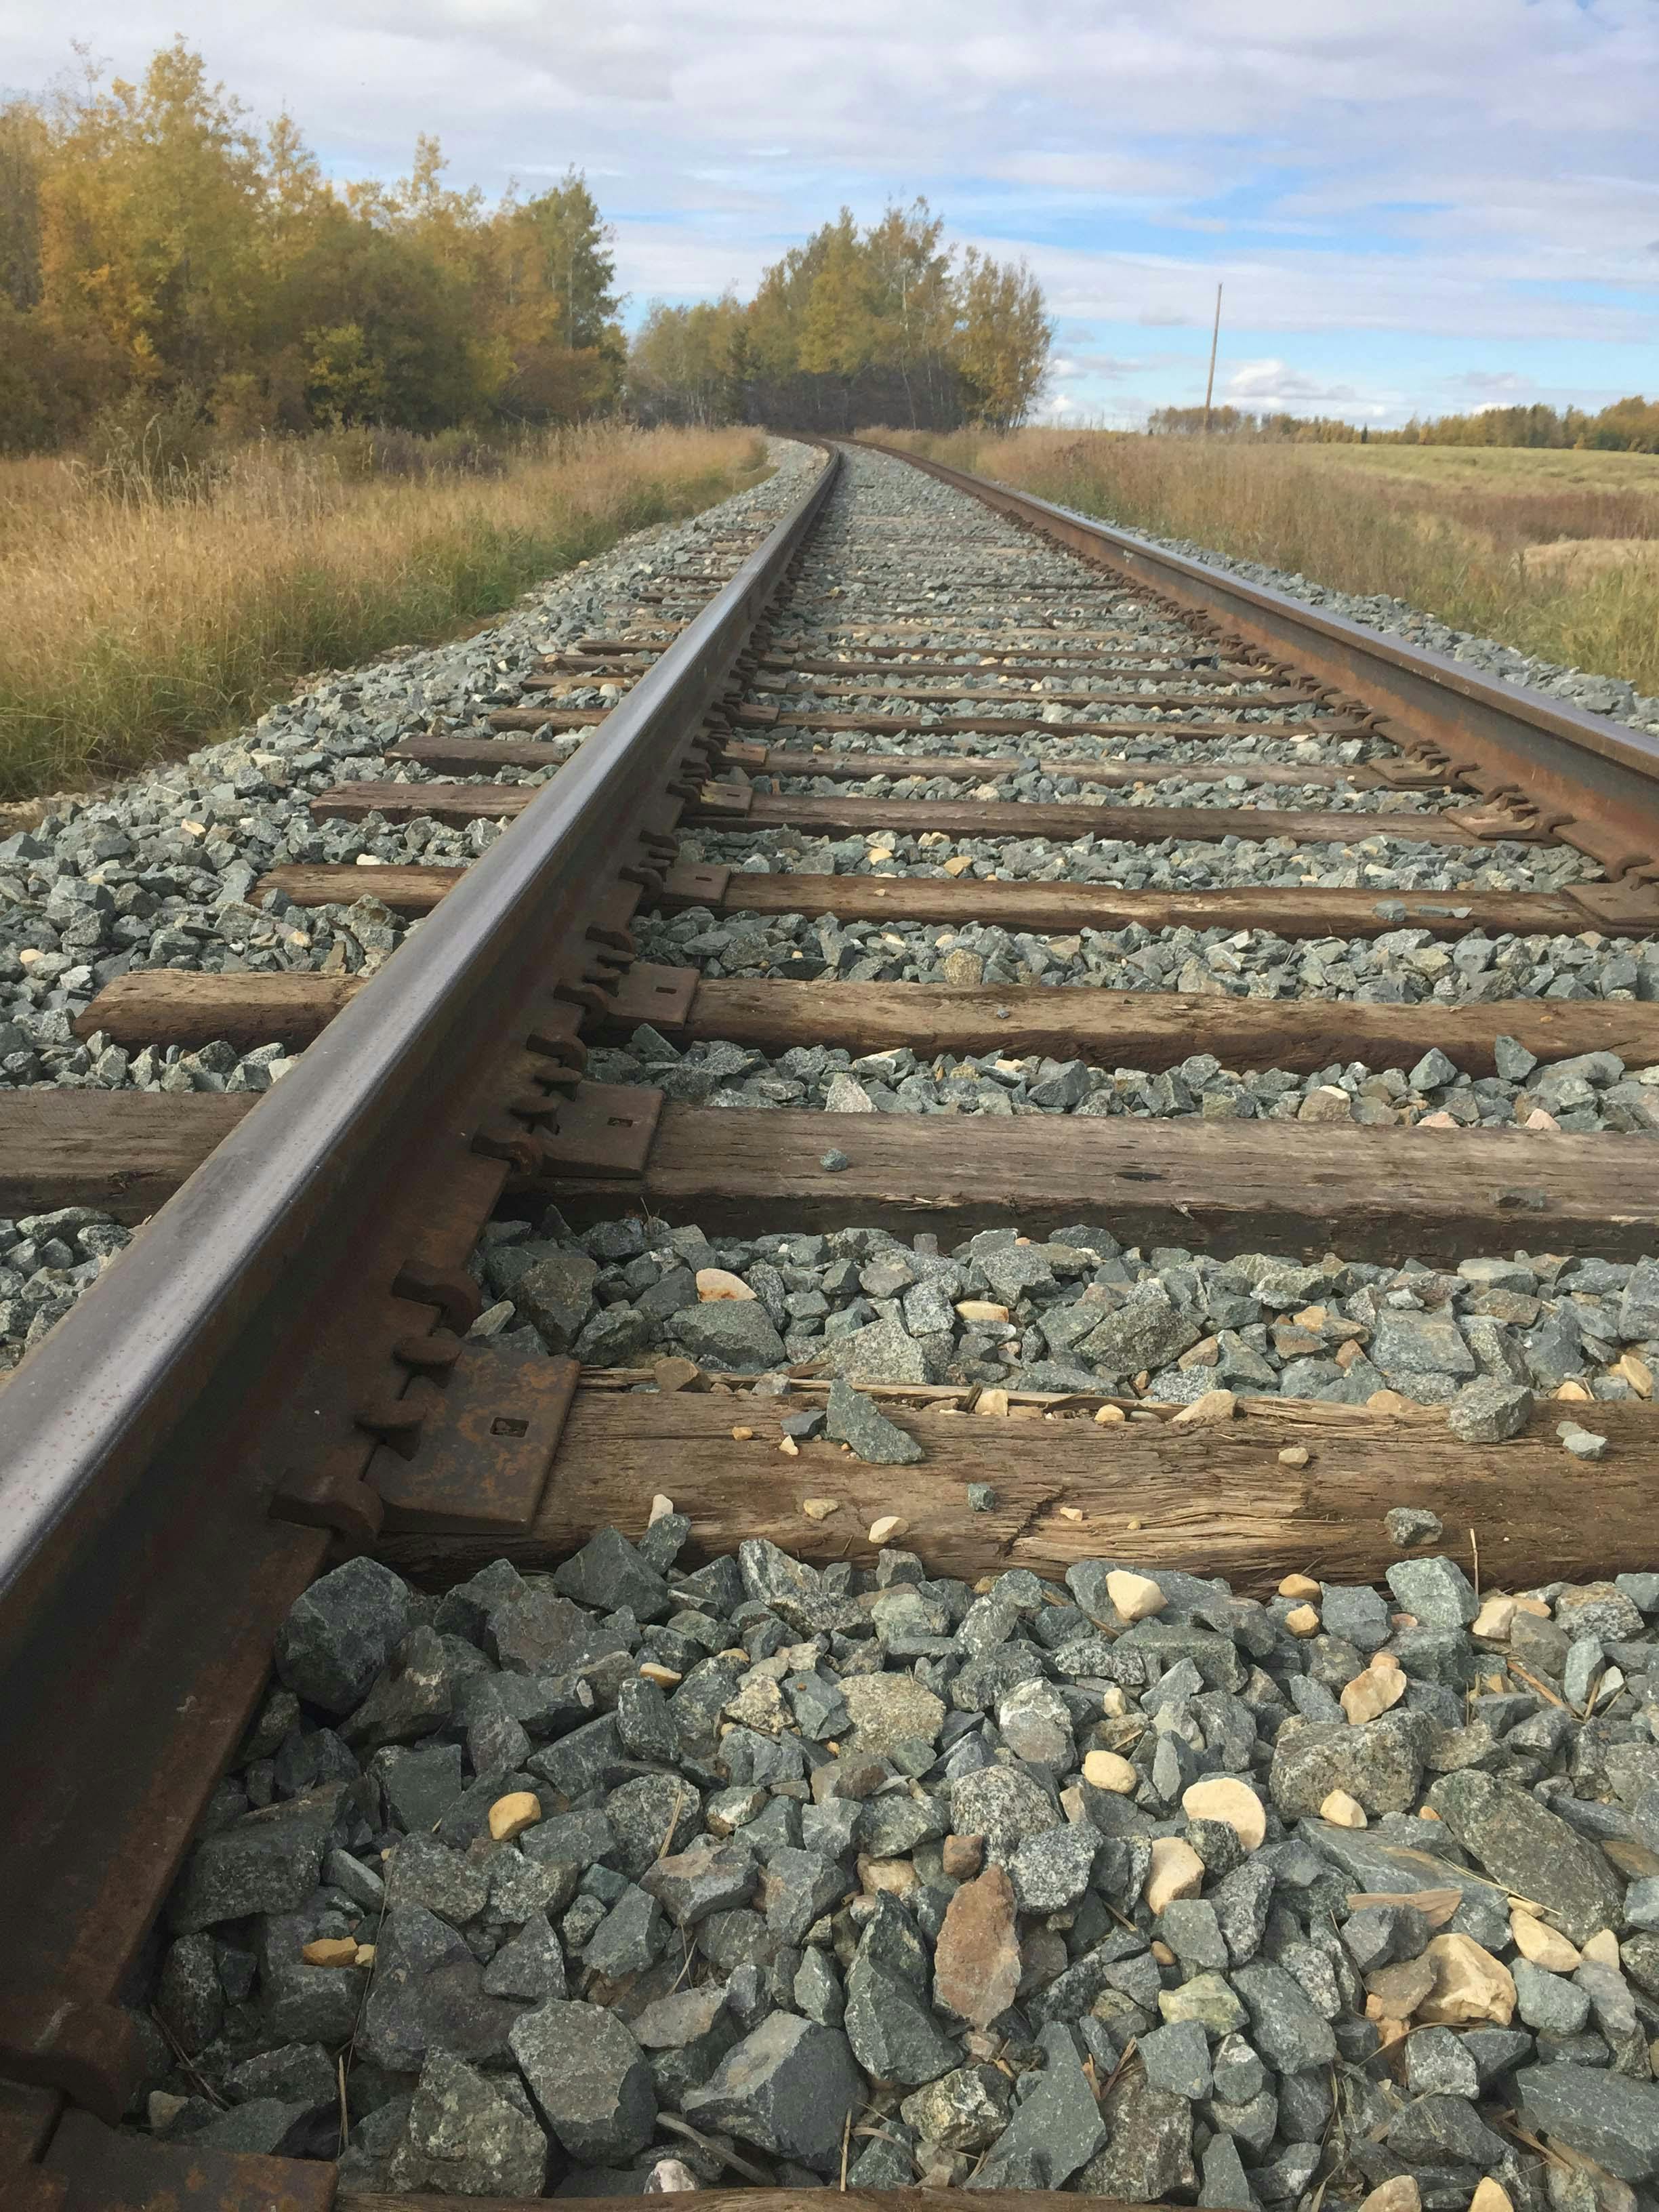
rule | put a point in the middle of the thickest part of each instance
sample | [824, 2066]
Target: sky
[1412, 206]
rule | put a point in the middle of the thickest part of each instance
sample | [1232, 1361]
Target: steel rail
[1593, 782]
[141, 1441]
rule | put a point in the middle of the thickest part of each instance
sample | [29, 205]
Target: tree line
[156, 251]
[855, 328]
[163, 259]
[1626, 425]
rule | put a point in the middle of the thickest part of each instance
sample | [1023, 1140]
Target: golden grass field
[146, 618]
[1556, 553]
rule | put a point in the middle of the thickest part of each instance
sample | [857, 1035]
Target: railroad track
[884, 801]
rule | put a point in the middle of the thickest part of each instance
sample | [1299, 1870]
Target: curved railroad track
[958, 830]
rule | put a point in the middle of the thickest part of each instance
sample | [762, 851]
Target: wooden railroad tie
[1219, 1187]
[1049, 908]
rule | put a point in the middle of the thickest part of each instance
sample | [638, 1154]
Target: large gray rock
[267, 1862]
[1283, 2026]
[557, 1295]
[858, 1422]
[966, 2110]
[589, 2078]
[894, 2035]
[1056, 2127]
[428, 1994]
[787, 2088]
[733, 1336]
[1145, 1331]
[1149, 2158]
[1005, 1805]
[472, 2133]
[1437, 1590]
[1380, 1763]
[341, 1632]
[880, 1352]
[608, 1573]
[1607, 2117]
[1531, 1851]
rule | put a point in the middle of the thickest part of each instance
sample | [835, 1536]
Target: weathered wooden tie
[1290, 911]
[1383, 1195]
[1106, 1028]
[1210, 1500]
[462, 755]
[732, 806]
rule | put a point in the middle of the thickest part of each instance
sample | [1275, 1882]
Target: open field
[146, 618]
[1555, 553]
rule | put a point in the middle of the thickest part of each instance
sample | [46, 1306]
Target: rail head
[1594, 782]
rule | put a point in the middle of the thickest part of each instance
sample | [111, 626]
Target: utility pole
[1215, 333]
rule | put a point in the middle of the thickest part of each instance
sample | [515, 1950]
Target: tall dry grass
[151, 607]
[1467, 553]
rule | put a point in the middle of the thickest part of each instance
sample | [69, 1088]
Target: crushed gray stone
[826, 1780]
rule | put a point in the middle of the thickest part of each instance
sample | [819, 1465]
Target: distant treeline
[168, 271]
[853, 329]
[1628, 426]
[159, 256]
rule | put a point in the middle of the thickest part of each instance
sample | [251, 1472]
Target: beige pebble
[820, 1508]
[1136, 1597]
[716, 1283]
[1574, 1392]
[1537, 1607]
[1469, 1984]
[1298, 1586]
[1401, 2194]
[889, 1877]
[1387, 1401]
[788, 1447]
[1163, 1954]
[511, 1815]
[1372, 1692]
[1108, 1417]
[1222, 1797]
[652, 1670]
[662, 1507]
[1343, 1811]
[1634, 1369]
[1176, 1871]
[1294, 1456]
[888, 1529]
[1497, 1612]
[330, 1951]
[669, 2177]
[365, 1954]
[742, 1436]
[1601, 1949]
[1544, 1945]
[1105, 1769]
[1384, 1663]
[973, 1310]
[1490, 2196]
[1214, 1407]
[1071, 1513]
[991, 1402]
[1302, 1620]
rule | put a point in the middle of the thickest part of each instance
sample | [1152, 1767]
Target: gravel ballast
[1125, 1885]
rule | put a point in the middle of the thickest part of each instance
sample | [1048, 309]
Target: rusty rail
[1591, 782]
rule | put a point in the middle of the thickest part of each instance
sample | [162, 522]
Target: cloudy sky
[1412, 205]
